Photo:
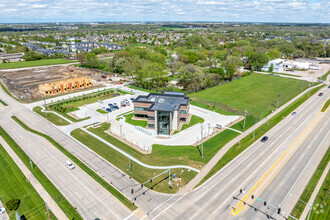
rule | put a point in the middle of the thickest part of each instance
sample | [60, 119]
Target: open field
[138, 172]
[13, 185]
[135, 122]
[53, 118]
[67, 208]
[82, 165]
[257, 93]
[309, 189]
[44, 62]
[194, 120]
[238, 148]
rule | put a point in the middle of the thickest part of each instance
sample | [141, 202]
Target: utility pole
[129, 164]
[169, 178]
[202, 139]
[254, 128]
[245, 119]
[121, 134]
[278, 99]
[308, 88]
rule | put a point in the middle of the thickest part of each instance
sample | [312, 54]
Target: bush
[13, 204]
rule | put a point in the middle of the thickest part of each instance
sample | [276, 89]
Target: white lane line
[128, 217]
[169, 206]
[158, 207]
[81, 183]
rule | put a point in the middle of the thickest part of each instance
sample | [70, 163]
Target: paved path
[57, 211]
[3, 216]
[208, 167]
[315, 192]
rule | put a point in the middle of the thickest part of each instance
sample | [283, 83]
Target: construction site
[35, 83]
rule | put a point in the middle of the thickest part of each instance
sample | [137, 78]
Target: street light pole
[45, 105]
[245, 119]
[254, 128]
[278, 99]
[202, 139]
[121, 134]
[308, 88]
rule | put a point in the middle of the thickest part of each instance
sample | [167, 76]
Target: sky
[288, 11]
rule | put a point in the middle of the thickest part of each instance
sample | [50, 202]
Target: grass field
[82, 165]
[138, 172]
[135, 122]
[324, 77]
[53, 118]
[44, 62]
[67, 208]
[2, 102]
[238, 148]
[322, 201]
[309, 189]
[13, 185]
[194, 120]
[257, 93]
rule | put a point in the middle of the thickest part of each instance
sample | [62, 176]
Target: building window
[151, 125]
[151, 118]
[140, 109]
[182, 119]
[141, 116]
[183, 112]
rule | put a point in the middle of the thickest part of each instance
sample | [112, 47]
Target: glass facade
[183, 112]
[164, 123]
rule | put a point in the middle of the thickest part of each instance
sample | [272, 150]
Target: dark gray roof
[168, 101]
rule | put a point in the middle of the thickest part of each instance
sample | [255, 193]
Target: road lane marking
[157, 207]
[241, 204]
[128, 217]
[169, 206]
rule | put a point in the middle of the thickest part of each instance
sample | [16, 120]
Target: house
[46, 52]
[163, 111]
[11, 57]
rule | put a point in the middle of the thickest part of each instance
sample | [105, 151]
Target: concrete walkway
[57, 211]
[208, 167]
[3, 216]
[315, 192]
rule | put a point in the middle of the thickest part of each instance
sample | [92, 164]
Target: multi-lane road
[212, 200]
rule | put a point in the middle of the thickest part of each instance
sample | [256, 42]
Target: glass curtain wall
[164, 123]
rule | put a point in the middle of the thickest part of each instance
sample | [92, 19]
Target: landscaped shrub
[13, 204]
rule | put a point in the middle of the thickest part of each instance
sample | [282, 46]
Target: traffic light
[252, 197]
[265, 203]
[240, 191]
[141, 186]
[279, 211]
[150, 180]
[132, 191]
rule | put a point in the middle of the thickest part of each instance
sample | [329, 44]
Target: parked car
[100, 101]
[321, 94]
[108, 109]
[116, 107]
[293, 113]
[115, 104]
[132, 99]
[264, 139]
[2, 210]
[110, 104]
[69, 164]
[123, 104]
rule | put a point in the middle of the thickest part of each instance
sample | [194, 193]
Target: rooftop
[167, 101]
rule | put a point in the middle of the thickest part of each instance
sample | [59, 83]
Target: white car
[2, 210]
[69, 164]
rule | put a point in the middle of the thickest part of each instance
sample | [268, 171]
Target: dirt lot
[23, 84]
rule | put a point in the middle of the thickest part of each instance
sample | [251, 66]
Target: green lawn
[326, 105]
[135, 122]
[322, 201]
[53, 118]
[67, 208]
[13, 185]
[194, 120]
[238, 148]
[324, 77]
[101, 111]
[141, 89]
[44, 62]
[82, 165]
[257, 93]
[138, 172]
[309, 189]
[2, 102]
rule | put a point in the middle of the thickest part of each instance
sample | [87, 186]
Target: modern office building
[163, 111]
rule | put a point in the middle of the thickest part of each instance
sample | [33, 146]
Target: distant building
[164, 112]
[11, 57]
[64, 85]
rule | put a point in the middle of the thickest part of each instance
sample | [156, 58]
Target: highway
[214, 199]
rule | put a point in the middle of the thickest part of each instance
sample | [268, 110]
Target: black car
[321, 94]
[108, 110]
[264, 139]
[132, 99]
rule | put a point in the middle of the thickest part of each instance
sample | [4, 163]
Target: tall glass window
[164, 123]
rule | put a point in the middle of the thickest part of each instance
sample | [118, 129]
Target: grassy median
[239, 147]
[67, 208]
[53, 118]
[2, 102]
[309, 189]
[325, 106]
[84, 167]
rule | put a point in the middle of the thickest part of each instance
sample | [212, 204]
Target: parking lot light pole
[202, 139]
[121, 134]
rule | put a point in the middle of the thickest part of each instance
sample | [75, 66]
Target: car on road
[108, 109]
[321, 94]
[264, 139]
[2, 210]
[69, 164]
[293, 113]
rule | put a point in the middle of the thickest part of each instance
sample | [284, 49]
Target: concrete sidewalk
[315, 192]
[3, 216]
[208, 167]
[57, 211]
